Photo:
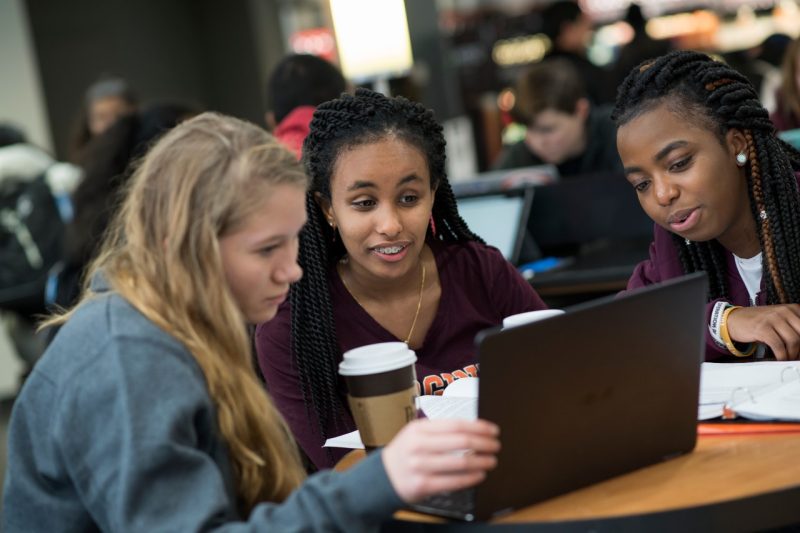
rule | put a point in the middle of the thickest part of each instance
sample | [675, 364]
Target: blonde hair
[200, 181]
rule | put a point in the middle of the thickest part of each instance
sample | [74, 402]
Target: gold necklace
[419, 302]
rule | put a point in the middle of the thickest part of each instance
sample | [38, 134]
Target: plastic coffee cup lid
[376, 358]
[531, 316]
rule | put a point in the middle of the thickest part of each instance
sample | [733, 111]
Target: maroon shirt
[479, 288]
[664, 264]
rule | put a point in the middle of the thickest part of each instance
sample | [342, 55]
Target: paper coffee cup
[382, 388]
[521, 319]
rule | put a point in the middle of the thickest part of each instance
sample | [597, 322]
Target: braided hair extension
[715, 96]
[709, 258]
[338, 125]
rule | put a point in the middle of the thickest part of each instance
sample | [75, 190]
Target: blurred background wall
[217, 55]
[21, 98]
[199, 51]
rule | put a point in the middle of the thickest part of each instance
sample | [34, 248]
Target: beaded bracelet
[726, 337]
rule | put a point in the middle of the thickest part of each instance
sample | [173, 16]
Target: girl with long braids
[145, 413]
[386, 257]
[702, 155]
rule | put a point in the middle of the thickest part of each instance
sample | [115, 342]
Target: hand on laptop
[777, 326]
[423, 458]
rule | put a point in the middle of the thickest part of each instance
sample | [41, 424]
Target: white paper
[350, 440]
[706, 412]
[444, 407]
[462, 388]
[781, 403]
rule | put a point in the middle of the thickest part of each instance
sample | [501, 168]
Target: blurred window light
[615, 34]
[372, 38]
[665, 27]
[315, 41]
[520, 50]
[506, 100]
[612, 10]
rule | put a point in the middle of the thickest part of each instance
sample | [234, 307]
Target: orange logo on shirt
[436, 383]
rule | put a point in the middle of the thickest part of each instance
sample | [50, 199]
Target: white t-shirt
[750, 271]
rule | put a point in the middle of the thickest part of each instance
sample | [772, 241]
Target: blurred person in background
[787, 111]
[769, 60]
[34, 206]
[10, 134]
[761, 64]
[563, 127]
[569, 30]
[107, 165]
[105, 102]
[641, 47]
[32, 217]
[297, 85]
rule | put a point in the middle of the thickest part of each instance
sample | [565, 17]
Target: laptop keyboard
[449, 504]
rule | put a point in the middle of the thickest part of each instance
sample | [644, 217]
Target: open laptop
[505, 179]
[500, 218]
[608, 387]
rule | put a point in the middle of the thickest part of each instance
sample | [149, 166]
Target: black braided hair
[338, 125]
[712, 94]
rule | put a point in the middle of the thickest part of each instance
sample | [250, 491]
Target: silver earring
[688, 242]
[762, 214]
[741, 159]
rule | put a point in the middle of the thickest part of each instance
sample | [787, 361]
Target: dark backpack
[31, 236]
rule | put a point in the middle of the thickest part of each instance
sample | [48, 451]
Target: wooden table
[729, 483]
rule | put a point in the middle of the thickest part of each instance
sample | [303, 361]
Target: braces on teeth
[392, 250]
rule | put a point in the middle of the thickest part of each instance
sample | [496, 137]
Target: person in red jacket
[701, 153]
[297, 85]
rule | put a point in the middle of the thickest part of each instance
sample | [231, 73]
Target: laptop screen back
[587, 208]
[608, 387]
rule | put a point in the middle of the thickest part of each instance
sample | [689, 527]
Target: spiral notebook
[764, 390]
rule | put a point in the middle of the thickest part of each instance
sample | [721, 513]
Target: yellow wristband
[726, 337]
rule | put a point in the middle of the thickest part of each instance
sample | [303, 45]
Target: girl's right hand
[777, 326]
[431, 456]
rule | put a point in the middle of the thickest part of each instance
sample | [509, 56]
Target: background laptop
[501, 180]
[608, 387]
[499, 218]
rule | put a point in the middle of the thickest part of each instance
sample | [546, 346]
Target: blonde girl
[144, 412]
